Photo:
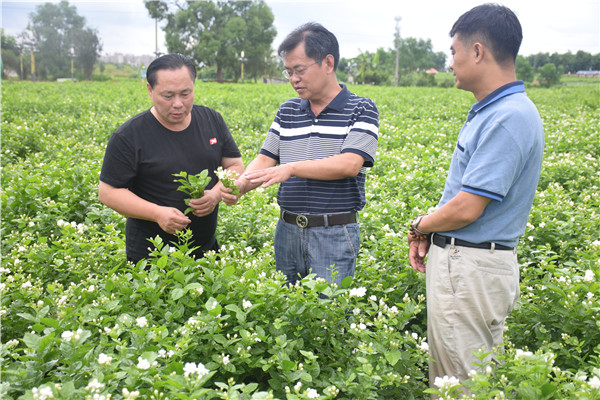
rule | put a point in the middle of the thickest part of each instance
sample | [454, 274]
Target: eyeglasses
[287, 73]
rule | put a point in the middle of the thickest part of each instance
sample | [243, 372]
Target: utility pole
[397, 43]
[156, 52]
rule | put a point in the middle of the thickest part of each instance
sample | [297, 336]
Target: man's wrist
[414, 230]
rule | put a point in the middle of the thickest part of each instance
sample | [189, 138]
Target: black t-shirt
[142, 156]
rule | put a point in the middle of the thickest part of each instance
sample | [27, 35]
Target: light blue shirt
[498, 155]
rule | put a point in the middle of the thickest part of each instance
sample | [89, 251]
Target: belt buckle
[301, 221]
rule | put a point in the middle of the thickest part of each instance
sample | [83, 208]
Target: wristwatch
[414, 229]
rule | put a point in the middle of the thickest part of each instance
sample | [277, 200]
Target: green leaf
[27, 316]
[179, 276]
[228, 271]
[177, 293]
[50, 322]
[346, 282]
[393, 357]
[288, 365]
[32, 341]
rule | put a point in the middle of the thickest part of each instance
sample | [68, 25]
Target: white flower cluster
[446, 382]
[79, 227]
[166, 354]
[144, 364]
[68, 335]
[104, 359]
[358, 292]
[127, 395]
[94, 386]
[42, 393]
[246, 304]
[191, 369]
[589, 276]
[520, 353]
[142, 322]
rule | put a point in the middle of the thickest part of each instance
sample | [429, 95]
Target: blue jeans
[320, 250]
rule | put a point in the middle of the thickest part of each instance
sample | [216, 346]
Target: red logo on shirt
[213, 141]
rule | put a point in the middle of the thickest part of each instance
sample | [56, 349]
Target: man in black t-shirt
[142, 155]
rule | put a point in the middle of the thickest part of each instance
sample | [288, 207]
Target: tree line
[222, 36]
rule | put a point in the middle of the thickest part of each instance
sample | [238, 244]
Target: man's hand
[207, 203]
[226, 193]
[417, 250]
[270, 176]
[171, 219]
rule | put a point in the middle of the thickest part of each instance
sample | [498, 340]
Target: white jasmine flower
[225, 359]
[142, 322]
[373, 297]
[424, 346]
[589, 275]
[67, 336]
[358, 292]
[127, 395]
[594, 382]
[189, 368]
[589, 295]
[312, 394]
[201, 370]
[103, 359]
[298, 386]
[446, 382]
[143, 363]
[356, 311]
[94, 386]
[246, 304]
[43, 393]
[521, 353]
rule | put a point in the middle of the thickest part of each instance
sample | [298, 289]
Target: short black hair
[497, 26]
[318, 42]
[171, 61]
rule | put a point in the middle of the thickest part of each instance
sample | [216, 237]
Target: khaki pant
[470, 292]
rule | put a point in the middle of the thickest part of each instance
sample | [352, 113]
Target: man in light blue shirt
[472, 273]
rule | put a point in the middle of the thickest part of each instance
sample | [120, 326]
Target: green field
[78, 322]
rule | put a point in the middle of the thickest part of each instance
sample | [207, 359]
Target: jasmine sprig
[193, 185]
[227, 177]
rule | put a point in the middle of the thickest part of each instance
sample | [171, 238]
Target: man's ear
[478, 50]
[330, 62]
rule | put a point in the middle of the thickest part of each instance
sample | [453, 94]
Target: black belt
[308, 221]
[442, 241]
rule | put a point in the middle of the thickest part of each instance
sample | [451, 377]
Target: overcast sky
[360, 25]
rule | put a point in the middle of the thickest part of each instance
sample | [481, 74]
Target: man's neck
[493, 81]
[318, 105]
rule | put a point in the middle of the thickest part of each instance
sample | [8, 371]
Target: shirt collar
[502, 91]
[337, 103]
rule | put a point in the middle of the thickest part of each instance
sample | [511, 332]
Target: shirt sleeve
[119, 167]
[230, 148]
[495, 163]
[270, 147]
[364, 133]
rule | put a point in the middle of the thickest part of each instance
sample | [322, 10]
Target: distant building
[588, 74]
[130, 59]
[431, 71]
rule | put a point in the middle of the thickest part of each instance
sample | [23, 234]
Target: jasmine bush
[79, 322]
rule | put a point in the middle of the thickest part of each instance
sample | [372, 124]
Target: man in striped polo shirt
[318, 149]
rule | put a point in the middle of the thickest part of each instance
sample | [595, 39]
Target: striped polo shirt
[349, 124]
